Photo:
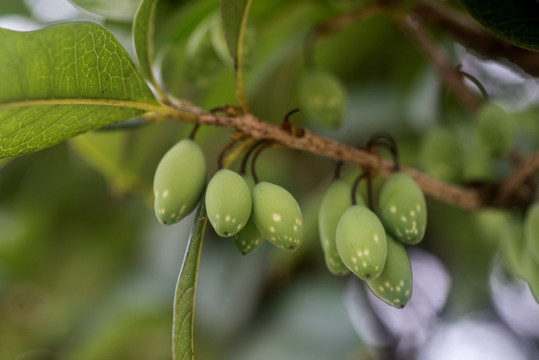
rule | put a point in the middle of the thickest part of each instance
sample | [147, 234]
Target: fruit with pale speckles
[249, 238]
[179, 181]
[322, 98]
[277, 216]
[228, 202]
[394, 285]
[361, 242]
[403, 209]
[336, 201]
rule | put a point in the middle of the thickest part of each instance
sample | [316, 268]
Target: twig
[470, 34]
[517, 178]
[448, 74]
[466, 198]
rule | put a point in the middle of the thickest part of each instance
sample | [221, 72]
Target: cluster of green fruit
[355, 239]
[469, 151]
[250, 214]
[518, 244]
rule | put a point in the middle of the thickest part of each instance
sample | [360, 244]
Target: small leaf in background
[120, 10]
[517, 22]
[184, 297]
[143, 29]
[65, 80]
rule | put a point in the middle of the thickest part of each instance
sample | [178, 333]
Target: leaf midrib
[96, 102]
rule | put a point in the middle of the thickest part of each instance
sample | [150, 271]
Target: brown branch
[466, 198]
[470, 34]
[518, 177]
[447, 71]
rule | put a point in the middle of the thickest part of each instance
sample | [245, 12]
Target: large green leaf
[62, 81]
[184, 297]
[515, 21]
[121, 10]
[143, 29]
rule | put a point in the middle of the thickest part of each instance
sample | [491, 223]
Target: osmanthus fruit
[277, 216]
[228, 202]
[394, 285]
[179, 181]
[322, 98]
[337, 199]
[403, 208]
[361, 242]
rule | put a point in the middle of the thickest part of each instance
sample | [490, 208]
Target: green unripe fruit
[440, 155]
[361, 242]
[531, 230]
[228, 202]
[277, 216]
[476, 162]
[336, 201]
[322, 98]
[403, 209]
[394, 285]
[249, 238]
[494, 130]
[179, 181]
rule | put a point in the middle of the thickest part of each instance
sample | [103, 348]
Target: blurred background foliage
[87, 272]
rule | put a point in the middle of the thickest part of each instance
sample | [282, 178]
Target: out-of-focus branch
[447, 71]
[471, 35]
[517, 178]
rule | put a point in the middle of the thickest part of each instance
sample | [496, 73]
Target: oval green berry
[403, 209]
[531, 230]
[249, 238]
[440, 155]
[228, 202]
[179, 181]
[394, 285]
[322, 98]
[361, 242]
[336, 201]
[277, 216]
[494, 130]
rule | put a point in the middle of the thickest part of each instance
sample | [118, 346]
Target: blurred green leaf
[234, 16]
[514, 21]
[65, 80]
[143, 30]
[121, 10]
[184, 297]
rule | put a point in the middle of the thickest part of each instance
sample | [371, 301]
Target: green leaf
[121, 10]
[62, 81]
[184, 297]
[143, 29]
[517, 22]
[234, 16]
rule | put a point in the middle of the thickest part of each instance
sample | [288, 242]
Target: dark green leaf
[515, 21]
[184, 297]
[121, 10]
[62, 81]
